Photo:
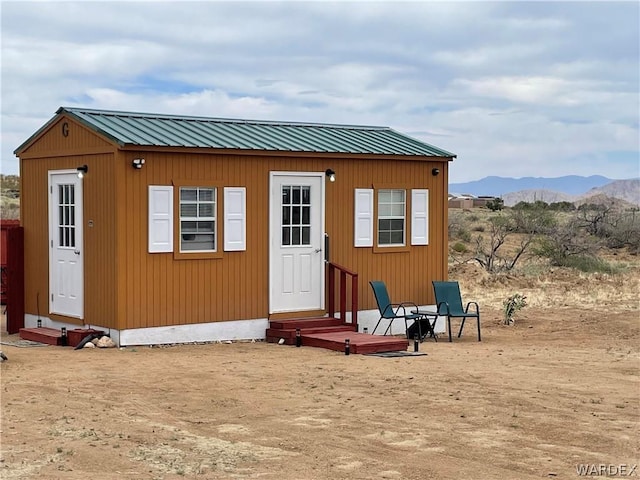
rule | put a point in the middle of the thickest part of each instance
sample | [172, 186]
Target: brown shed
[168, 229]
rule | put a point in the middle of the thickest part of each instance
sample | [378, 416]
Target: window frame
[382, 248]
[218, 229]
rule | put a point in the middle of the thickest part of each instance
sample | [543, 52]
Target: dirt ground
[538, 399]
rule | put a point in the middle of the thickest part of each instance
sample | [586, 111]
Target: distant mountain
[628, 190]
[499, 186]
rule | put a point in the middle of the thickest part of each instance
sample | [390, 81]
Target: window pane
[306, 235]
[384, 196]
[295, 193]
[205, 227]
[189, 210]
[396, 238]
[61, 236]
[306, 215]
[295, 236]
[396, 224]
[72, 240]
[397, 210]
[306, 195]
[190, 194]
[205, 210]
[72, 215]
[189, 227]
[198, 242]
[384, 210]
[397, 196]
[72, 189]
[286, 216]
[205, 194]
[384, 224]
[296, 215]
[384, 238]
[286, 236]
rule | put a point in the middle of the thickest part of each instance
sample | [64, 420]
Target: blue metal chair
[392, 311]
[449, 303]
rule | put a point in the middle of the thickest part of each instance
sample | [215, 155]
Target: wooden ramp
[331, 333]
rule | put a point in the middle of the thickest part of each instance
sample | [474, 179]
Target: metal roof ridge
[166, 116]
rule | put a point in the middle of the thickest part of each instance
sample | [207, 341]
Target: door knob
[77, 252]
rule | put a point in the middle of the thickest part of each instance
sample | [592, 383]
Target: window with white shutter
[420, 217]
[235, 221]
[160, 218]
[363, 227]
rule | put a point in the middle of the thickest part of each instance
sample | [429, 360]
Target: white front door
[296, 257]
[66, 273]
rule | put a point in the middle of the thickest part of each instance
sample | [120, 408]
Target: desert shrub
[589, 264]
[511, 306]
[537, 205]
[534, 220]
[488, 250]
[495, 205]
[562, 206]
[621, 229]
[474, 217]
[566, 240]
[459, 247]
[479, 228]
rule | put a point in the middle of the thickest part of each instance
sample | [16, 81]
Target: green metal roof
[155, 130]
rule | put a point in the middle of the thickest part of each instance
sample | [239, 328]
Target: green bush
[588, 264]
[459, 247]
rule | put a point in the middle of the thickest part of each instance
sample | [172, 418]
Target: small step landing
[50, 336]
[331, 333]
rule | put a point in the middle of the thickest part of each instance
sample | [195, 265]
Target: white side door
[66, 272]
[296, 258]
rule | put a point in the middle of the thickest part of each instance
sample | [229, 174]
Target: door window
[66, 216]
[296, 215]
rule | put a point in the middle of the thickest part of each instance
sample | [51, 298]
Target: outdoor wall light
[331, 174]
[137, 163]
[82, 171]
[435, 172]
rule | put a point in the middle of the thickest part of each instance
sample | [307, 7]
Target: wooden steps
[331, 333]
[50, 336]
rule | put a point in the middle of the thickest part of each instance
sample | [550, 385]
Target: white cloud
[508, 86]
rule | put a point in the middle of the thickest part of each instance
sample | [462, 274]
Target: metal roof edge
[445, 153]
[221, 119]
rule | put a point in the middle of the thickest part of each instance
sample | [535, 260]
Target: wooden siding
[99, 240]
[160, 290]
[79, 140]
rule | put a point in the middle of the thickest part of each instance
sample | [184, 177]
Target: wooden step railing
[331, 292]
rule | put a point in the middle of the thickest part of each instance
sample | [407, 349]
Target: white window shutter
[235, 219]
[160, 218]
[420, 217]
[363, 227]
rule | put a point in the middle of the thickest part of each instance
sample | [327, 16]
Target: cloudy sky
[513, 88]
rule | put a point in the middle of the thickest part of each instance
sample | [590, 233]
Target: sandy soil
[534, 400]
